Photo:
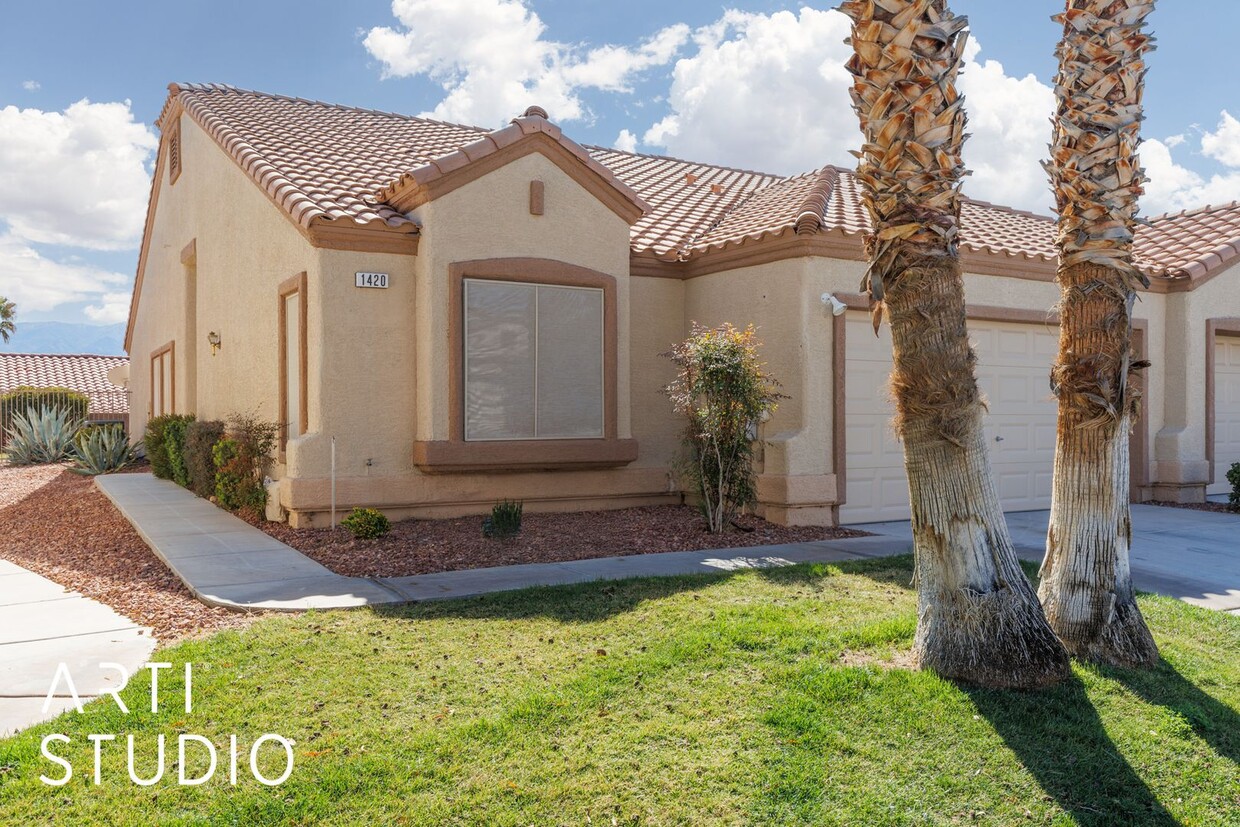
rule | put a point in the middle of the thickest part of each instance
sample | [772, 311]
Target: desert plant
[8, 312]
[724, 391]
[21, 399]
[102, 450]
[505, 520]
[174, 445]
[1233, 477]
[200, 438]
[42, 435]
[367, 524]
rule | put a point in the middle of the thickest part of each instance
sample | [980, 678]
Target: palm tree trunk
[978, 618]
[1086, 580]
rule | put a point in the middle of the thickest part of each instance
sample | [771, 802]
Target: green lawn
[756, 698]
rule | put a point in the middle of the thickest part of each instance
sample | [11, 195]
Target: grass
[765, 698]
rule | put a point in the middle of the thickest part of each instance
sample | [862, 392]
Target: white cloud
[626, 141]
[1173, 187]
[37, 283]
[112, 308]
[1223, 145]
[492, 61]
[1175, 140]
[76, 177]
[31, 85]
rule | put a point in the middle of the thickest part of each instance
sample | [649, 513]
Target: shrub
[22, 399]
[1233, 477]
[505, 520]
[174, 445]
[366, 524]
[156, 445]
[102, 450]
[200, 438]
[724, 392]
[241, 461]
[42, 435]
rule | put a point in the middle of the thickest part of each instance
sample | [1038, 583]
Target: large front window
[533, 361]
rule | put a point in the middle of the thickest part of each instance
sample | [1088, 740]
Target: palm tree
[1097, 177]
[7, 326]
[978, 617]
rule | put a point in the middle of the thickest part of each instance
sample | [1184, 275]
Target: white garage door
[1014, 365]
[1226, 411]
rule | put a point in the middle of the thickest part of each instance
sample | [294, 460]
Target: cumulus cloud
[1223, 144]
[111, 308]
[1173, 186]
[76, 177]
[492, 60]
[38, 283]
[626, 141]
[31, 85]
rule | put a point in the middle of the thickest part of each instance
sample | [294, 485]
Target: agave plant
[102, 450]
[42, 435]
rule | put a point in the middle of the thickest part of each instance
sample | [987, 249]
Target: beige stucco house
[474, 315]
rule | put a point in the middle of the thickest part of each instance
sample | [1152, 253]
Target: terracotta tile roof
[325, 162]
[83, 373]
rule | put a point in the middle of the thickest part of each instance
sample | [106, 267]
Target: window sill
[523, 455]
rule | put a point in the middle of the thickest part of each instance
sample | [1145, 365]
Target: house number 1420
[372, 280]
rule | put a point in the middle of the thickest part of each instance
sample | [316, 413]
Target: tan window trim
[455, 454]
[170, 401]
[1214, 329]
[292, 286]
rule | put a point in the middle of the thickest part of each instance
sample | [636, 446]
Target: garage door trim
[1214, 328]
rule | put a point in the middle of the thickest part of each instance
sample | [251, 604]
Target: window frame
[455, 455]
[290, 287]
[166, 356]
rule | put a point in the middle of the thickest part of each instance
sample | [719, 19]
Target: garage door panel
[1014, 362]
[1226, 410]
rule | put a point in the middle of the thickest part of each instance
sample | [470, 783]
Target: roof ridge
[659, 157]
[1004, 208]
[226, 87]
[64, 355]
[1208, 208]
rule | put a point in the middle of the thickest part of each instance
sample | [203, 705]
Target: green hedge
[200, 438]
[20, 399]
[156, 442]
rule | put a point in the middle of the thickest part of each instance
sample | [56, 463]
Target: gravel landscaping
[428, 546]
[57, 524]
[1220, 508]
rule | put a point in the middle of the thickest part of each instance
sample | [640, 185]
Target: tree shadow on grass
[1057, 735]
[1213, 721]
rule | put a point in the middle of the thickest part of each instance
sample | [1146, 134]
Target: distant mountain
[66, 337]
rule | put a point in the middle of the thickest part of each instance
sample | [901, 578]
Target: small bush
[200, 438]
[1233, 477]
[367, 524]
[22, 399]
[42, 435]
[174, 444]
[505, 520]
[241, 461]
[102, 450]
[156, 445]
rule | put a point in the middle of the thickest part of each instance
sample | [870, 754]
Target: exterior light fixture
[213, 339]
[838, 308]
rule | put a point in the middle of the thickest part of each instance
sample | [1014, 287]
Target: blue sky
[752, 84]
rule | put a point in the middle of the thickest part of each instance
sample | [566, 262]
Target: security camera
[838, 308]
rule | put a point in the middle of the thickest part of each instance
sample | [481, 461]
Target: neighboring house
[471, 315]
[100, 378]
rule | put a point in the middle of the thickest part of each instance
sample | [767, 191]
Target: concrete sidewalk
[1192, 555]
[43, 625]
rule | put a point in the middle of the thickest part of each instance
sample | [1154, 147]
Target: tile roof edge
[65, 355]
[1208, 208]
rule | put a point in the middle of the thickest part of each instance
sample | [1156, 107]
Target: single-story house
[470, 315]
[100, 378]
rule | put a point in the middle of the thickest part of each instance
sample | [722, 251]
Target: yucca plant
[978, 618]
[42, 435]
[102, 450]
[505, 520]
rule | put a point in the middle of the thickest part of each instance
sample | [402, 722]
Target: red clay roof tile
[83, 373]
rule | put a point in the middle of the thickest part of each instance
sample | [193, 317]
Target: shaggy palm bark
[1086, 583]
[978, 618]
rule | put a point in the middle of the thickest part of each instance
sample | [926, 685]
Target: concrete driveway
[42, 625]
[1192, 555]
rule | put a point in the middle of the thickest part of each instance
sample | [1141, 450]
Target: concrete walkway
[43, 625]
[1192, 555]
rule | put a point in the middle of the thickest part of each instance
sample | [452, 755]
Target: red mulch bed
[428, 546]
[1221, 508]
[64, 529]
